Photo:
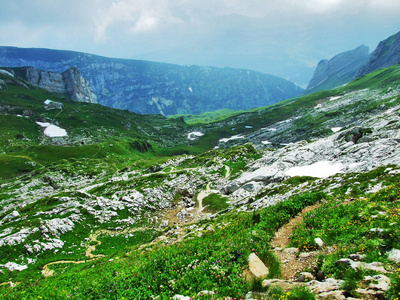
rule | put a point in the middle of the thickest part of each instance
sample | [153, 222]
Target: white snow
[52, 130]
[235, 137]
[336, 129]
[321, 169]
[318, 106]
[42, 124]
[55, 131]
[192, 135]
[266, 142]
[6, 73]
[335, 98]
[248, 127]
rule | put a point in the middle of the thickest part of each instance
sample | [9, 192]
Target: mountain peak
[338, 70]
[385, 55]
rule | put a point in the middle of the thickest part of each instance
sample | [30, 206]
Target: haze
[284, 37]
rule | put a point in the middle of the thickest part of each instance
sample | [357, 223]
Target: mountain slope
[339, 70]
[385, 55]
[159, 88]
[112, 227]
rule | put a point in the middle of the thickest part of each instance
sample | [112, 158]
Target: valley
[147, 210]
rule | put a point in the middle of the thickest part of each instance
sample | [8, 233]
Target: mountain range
[159, 88]
[349, 65]
[296, 200]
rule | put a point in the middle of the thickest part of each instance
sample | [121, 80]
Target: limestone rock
[374, 266]
[70, 82]
[305, 276]
[319, 242]
[257, 267]
[378, 282]
[394, 255]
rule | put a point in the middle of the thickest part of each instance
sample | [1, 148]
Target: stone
[319, 242]
[374, 266]
[330, 284]
[378, 282]
[285, 285]
[257, 267]
[291, 250]
[305, 277]
[14, 266]
[332, 295]
[394, 255]
[180, 297]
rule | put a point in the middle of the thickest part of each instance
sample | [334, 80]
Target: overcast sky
[281, 37]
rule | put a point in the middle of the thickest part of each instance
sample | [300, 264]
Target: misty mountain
[159, 88]
[339, 70]
[385, 55]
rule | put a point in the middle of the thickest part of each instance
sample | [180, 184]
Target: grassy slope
[170, 270]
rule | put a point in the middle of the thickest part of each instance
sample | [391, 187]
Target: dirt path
[12, 284]
[292, 262]
[88, 252]
[228, 172]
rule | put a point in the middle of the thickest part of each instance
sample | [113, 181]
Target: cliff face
[385, 55]
[69, 82]
[159, 88]
[339, 70]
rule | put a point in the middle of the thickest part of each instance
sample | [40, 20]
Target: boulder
[394, 255]
[319, 242]
[305, 277]
[257, 267]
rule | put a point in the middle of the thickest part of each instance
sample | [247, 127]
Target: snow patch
[4, 72]
[321, 169]
[52, 130]
[235, 137]
[266, 142]
[55, 131]
[43, 124]
[192, 135]
[318, 106]
[336, 129]
[335, 98]
[248, 127]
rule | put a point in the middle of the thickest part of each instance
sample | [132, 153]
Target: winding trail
[228, 171]
[292, 263]
[88, 252]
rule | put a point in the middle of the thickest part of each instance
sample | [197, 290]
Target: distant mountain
[150, 87]
[339, 70]
[70, 82]
[385, 55]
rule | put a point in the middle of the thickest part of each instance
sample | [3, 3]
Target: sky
[286, 38]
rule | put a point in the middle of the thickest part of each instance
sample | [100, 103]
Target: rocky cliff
[385, 55]
[339, 70]
[150, 87]
[70, 82]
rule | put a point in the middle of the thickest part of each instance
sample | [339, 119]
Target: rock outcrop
[385, 55]
[339, 70]
[70, 82]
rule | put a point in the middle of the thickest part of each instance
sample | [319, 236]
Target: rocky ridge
[159, 88]
[70, 83]
[385, 55]
[339, 70]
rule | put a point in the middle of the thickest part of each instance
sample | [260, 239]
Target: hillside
[131, 224]
[385, 55]
[159, 88]
[339, 70]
